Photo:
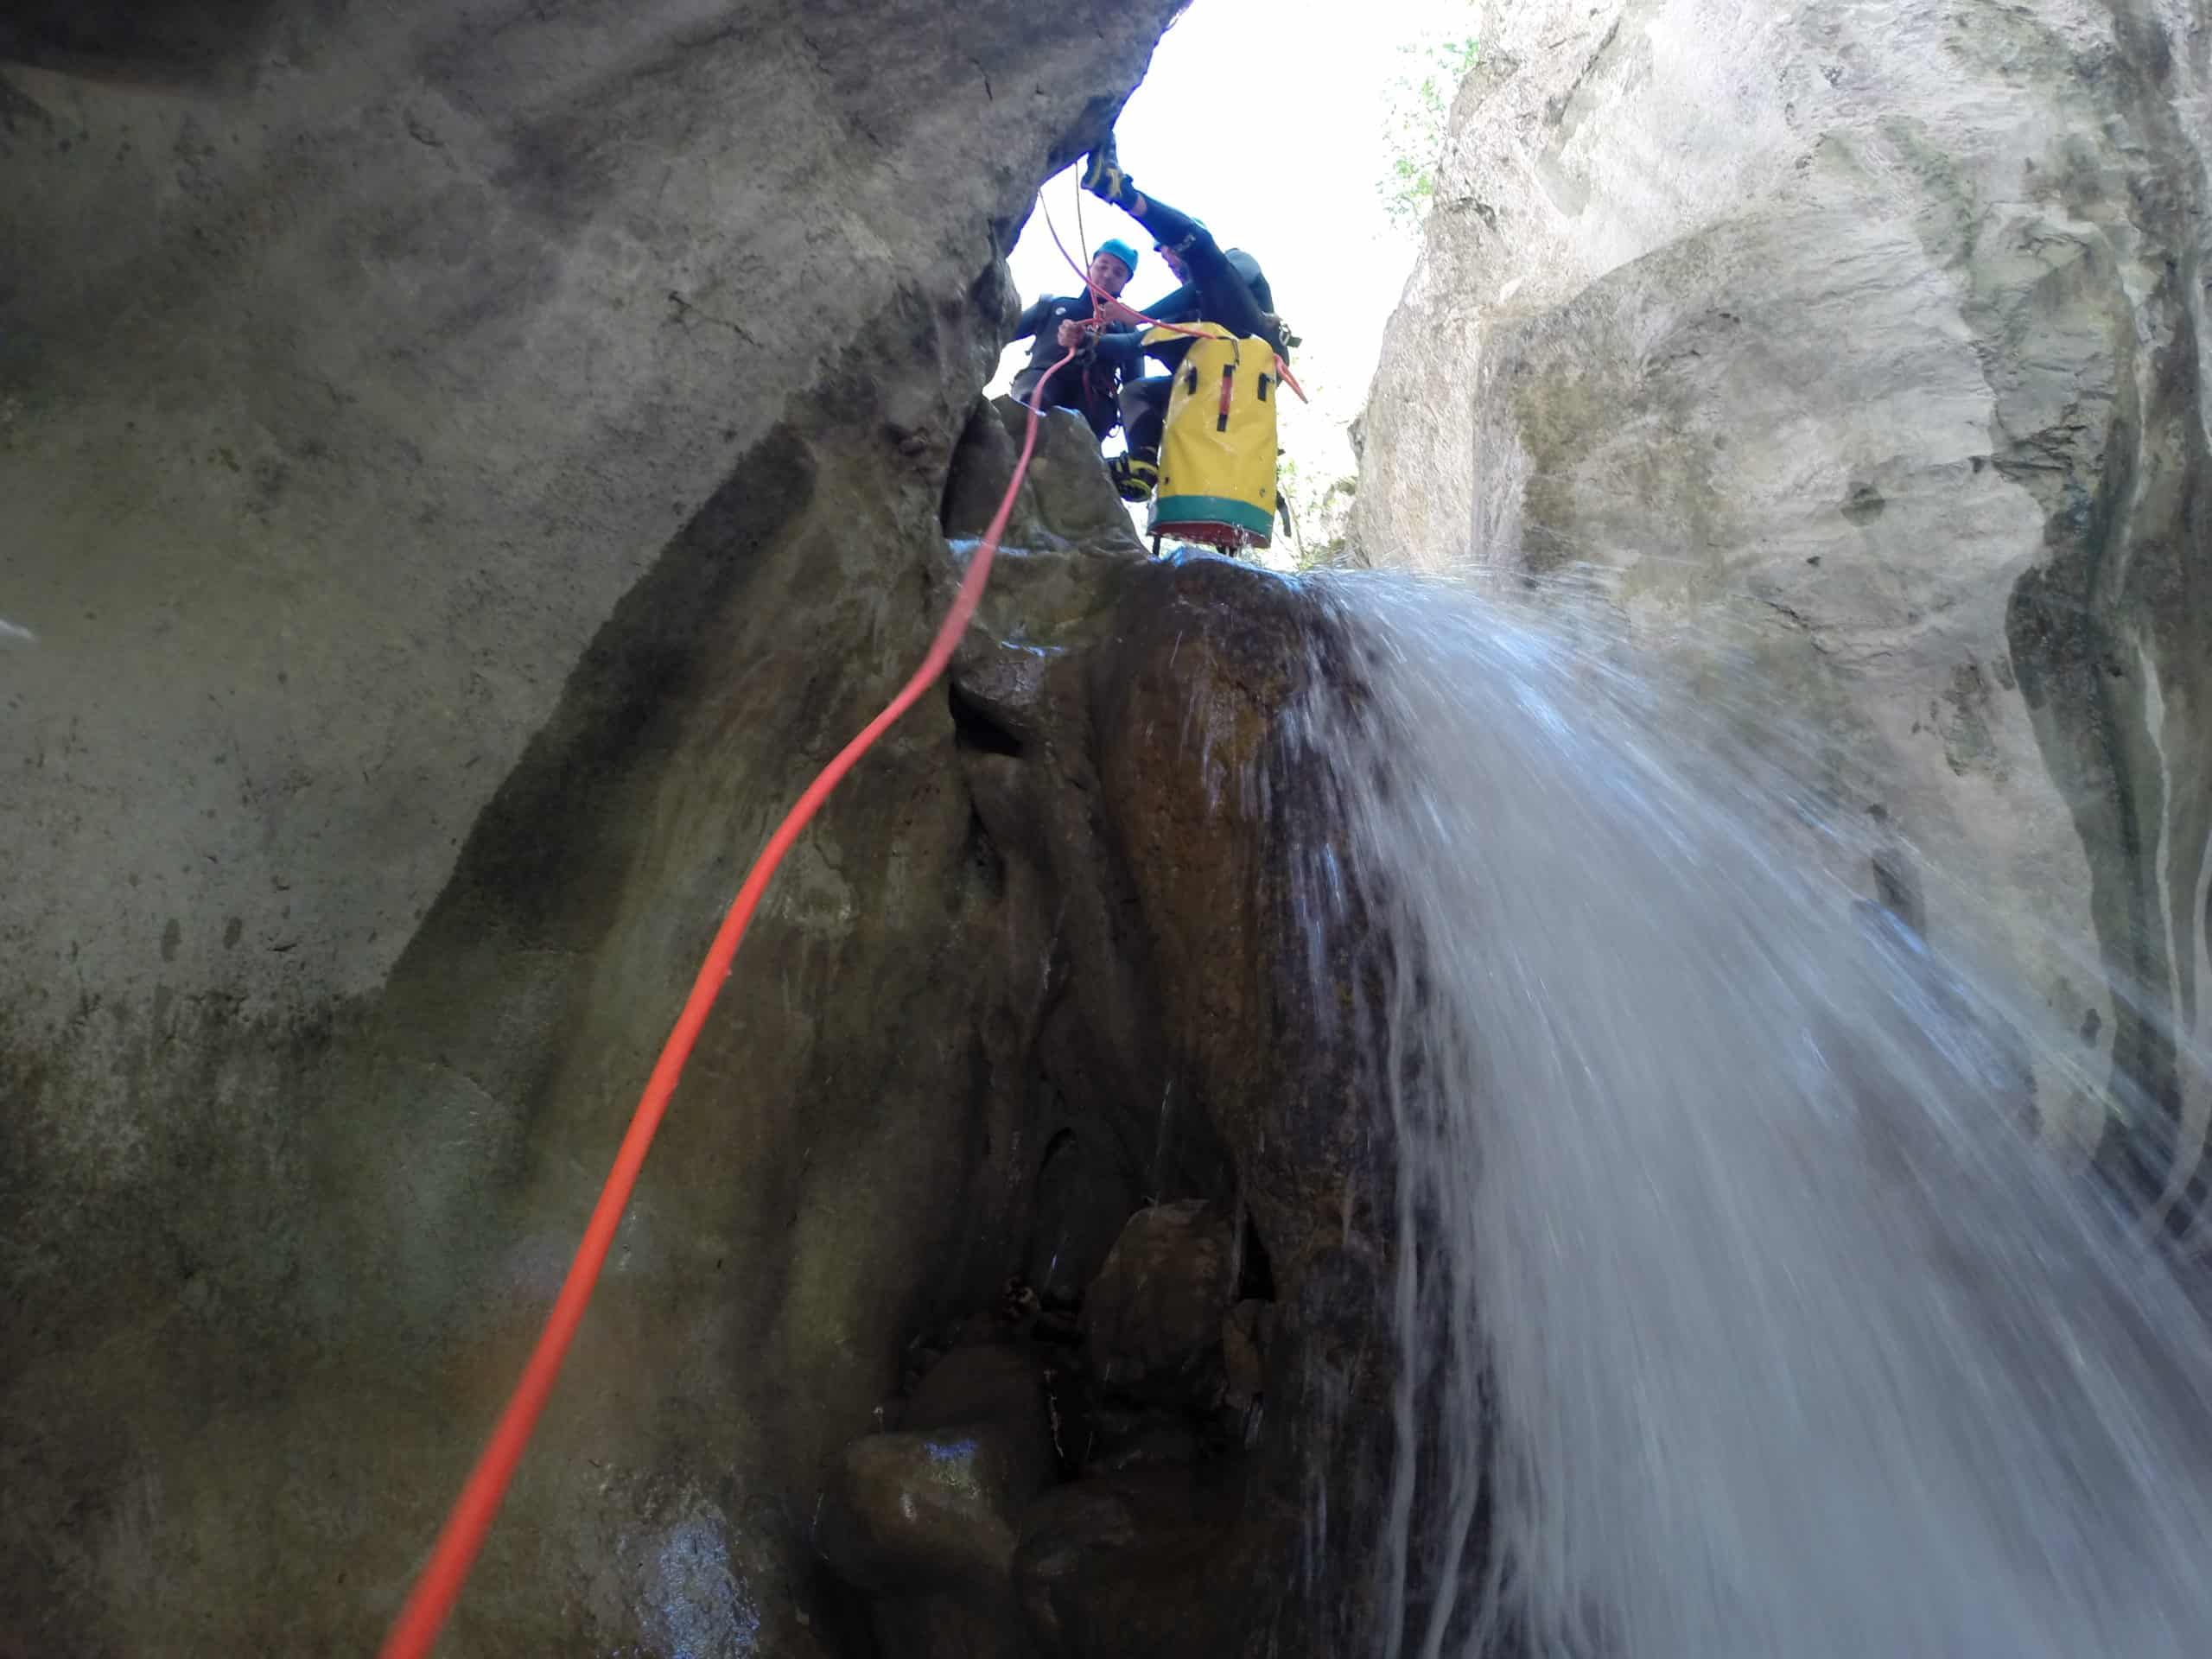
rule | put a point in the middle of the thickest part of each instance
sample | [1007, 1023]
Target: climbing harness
[435, 1593]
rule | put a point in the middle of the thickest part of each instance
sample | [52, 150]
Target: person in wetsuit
[1223, 285]
[1088, 384]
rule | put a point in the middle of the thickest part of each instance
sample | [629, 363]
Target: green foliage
[1414, 125]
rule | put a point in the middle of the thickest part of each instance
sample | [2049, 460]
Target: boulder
[931, 1508]
[998, 1382]
[1151, 1323]
[1121, 1565]
[923, 1520]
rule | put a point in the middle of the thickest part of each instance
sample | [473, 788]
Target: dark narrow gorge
[1618, 1075]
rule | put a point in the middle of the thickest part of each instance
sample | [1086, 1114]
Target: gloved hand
[1102, 175]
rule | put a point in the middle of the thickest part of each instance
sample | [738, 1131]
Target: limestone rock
[466, 469]
[1158, 1440]
[1082, 1203]
[1245, 1335]
[1149, 802]
[930, 1509]
[466, 465]
[1119, 723]
[1066, 500]
[1862, 351]
[1153, 1320]
[1001, 1383]
[1120, 1564]
[1267, 1004]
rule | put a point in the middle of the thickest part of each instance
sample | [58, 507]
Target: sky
[1298, 184]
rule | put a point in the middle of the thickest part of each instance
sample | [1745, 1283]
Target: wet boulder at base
[1151, 1323]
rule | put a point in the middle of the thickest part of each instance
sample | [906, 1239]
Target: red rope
[417, 1628]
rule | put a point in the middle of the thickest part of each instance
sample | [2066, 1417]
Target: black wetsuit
[1086, 386]
[1226, 286]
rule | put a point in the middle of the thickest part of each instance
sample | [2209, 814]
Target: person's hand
[1070, 336]
[1115, 311]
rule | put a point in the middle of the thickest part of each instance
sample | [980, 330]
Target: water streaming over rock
[1745, 1320]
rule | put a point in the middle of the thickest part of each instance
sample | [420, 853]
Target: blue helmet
[1122, 250]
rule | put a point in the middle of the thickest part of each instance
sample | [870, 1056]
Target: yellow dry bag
[1217, 457]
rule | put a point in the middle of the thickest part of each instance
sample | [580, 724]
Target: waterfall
[1740, 1314]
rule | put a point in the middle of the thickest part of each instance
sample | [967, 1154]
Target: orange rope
[417, 1628]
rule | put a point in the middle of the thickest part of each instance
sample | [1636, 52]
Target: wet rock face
[1866, 346]
[1195, 1175]
[1122, 1564]
[1152, 1324]
[464, 469]
[465, 466]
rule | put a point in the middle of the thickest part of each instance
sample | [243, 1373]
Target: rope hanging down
[416, 1628]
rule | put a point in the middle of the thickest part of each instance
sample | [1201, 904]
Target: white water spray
[1747, 1322]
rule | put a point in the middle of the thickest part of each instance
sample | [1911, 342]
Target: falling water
[1748, 1322]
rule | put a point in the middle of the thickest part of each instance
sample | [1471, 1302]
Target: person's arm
[1123, 348]
[1034, 319]
[1177, 305]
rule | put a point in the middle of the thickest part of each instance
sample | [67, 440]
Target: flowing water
[1747, 1320]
